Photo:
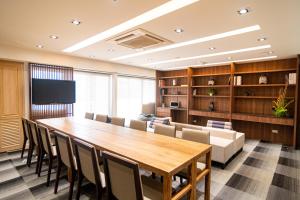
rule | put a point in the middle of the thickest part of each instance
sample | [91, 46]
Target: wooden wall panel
[11, 105]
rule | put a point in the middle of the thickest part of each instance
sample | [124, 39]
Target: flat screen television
[46, 91]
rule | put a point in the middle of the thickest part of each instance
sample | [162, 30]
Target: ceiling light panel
[193, 42]
[211, 55]
[157, 12]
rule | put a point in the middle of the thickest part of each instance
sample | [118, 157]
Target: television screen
[45, 91]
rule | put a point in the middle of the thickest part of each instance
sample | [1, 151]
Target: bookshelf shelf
[264, 85]
[215, 96]
[210, 86]
[172, 77]
[259, 97]
[174, 95]
[202, 75]
[267, 71]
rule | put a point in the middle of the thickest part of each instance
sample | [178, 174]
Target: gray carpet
[260, 171]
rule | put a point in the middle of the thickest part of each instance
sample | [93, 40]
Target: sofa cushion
[219, 124]
[159, 120]
[222, 133]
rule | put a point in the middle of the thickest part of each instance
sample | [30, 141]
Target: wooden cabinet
[163, 112]
[11, 105]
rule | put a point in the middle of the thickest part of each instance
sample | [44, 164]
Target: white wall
[44, 57]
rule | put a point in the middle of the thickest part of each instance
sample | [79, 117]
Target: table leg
[69, 174]
[208, 176]
[167, 187]
[192, 179]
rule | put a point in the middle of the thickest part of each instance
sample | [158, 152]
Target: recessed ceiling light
[225, 62]
[76, 22]
[92, 56]
[53, 37]
[243, 11]
[157, 12]
[192, 42]
[178, 30]
[229, 58]
[212, 48]
[40, 46]
[211, 55]
[270, 52]
[261, 39]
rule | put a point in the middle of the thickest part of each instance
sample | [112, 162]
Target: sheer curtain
[93, 93]
[131, 94]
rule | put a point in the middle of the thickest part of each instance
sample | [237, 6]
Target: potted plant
[280, 104]
[211, 91]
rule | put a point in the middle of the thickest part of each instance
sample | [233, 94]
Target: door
[11, 105]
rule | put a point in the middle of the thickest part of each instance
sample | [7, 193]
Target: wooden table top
[158, 153]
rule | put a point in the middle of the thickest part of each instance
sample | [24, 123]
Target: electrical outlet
[275, 131]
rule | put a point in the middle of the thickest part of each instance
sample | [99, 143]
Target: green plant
[280, 104]
[211, 91]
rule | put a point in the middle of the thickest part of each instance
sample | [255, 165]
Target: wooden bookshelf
[248, 106]
[167, 93]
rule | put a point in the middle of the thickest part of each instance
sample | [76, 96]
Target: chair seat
[200, 167]
[152, 189]
[102, 176]
[54, 152]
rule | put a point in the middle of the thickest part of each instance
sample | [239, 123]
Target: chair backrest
[101, 118]
[138, 125]
[87, 161]
[165, 130]
[200, 136]
[34, 132]
[122, 177]
[118, 121]
[45, 139]
[25, 128]
[219, 124]
[64, 149]
[148, 108]
[89, 115]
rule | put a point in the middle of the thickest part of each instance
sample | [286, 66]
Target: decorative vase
[211, 81]
[174, 82]
[194, 92]
[263, 79]
[211, 106]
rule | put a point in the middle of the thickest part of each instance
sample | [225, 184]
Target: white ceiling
[31, 22]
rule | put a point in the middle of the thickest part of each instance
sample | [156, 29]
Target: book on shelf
[237, 80]
[161, 83]
[292, 78]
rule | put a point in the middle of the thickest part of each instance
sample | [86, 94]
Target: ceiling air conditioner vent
[138, 39]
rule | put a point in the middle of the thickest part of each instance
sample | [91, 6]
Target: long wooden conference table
[160, 154]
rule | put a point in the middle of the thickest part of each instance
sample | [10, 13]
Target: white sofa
[225, 143]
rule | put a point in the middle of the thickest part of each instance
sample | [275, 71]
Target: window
[93, 93]
[131, 94]
[148, 91]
